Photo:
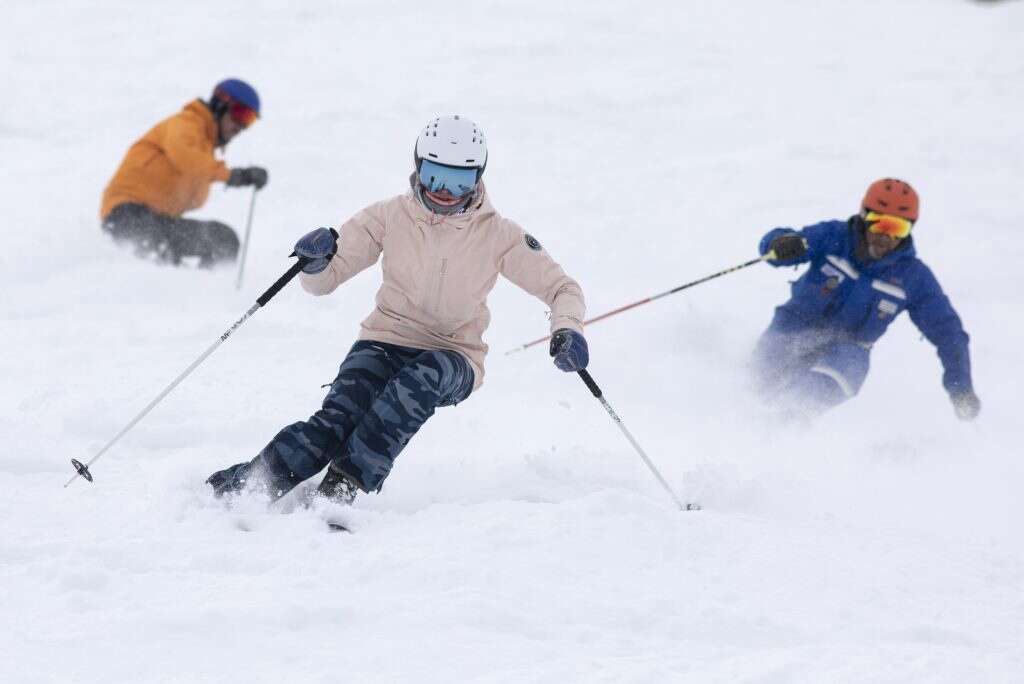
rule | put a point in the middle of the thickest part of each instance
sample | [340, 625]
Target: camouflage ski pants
[383, 394]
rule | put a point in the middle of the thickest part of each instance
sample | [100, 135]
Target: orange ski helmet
[892, 196]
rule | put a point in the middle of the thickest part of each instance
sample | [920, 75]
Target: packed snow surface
[519, 538]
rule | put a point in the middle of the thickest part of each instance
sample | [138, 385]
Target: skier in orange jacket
[169, 171]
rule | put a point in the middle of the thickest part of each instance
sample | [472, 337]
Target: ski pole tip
[82, 469]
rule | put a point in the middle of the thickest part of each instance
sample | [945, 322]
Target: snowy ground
[519, 538]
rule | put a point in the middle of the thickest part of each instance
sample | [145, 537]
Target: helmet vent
[893, 196]
[466, 143]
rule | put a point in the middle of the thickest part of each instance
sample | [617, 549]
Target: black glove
[317, 247]
[966, 404]
[570, 350]
[787, 247]
[249, 175]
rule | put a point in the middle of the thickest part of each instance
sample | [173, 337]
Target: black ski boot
[337, 487]
[230, 480]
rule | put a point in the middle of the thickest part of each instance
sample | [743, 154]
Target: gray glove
[250, 175]
[966, 404]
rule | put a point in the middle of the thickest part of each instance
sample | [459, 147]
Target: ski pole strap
[589, 382]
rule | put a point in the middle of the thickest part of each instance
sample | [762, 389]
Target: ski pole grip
[290, 273]
[589, 382]
[282, 281]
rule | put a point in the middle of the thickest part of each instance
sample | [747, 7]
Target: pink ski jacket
[438, 271]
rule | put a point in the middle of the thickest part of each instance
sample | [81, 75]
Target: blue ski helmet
[237, 90]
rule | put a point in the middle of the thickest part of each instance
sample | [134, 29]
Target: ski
[332, 526]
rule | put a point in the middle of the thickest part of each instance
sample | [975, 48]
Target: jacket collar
[478, 209]
[199, 108]
[906, 250]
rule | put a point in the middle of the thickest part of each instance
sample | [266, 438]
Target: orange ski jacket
[169, 169]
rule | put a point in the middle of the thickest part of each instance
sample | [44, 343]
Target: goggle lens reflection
[456, 180]
[887, 224]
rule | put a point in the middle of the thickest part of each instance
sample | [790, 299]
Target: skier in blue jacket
[863, 273]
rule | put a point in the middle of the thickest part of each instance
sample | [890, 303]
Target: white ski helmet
[453, 141]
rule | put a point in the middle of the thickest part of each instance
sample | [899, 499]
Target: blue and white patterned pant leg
[302, 449]
[383, 394]
[429, 379]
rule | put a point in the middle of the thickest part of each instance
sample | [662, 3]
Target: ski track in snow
[519, 538]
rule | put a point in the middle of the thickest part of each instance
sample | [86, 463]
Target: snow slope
[519, 538]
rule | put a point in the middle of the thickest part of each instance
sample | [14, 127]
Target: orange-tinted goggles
[887, 224]
[242, 115]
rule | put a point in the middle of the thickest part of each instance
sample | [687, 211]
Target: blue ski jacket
[858, 298]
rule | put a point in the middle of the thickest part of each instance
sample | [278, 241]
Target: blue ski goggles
[456, 180]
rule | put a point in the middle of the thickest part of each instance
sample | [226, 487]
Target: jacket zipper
[431, 299]
[440, 289]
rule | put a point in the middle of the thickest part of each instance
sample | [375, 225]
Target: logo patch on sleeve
[532, 242]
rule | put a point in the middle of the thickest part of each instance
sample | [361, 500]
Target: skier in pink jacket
[443, 247]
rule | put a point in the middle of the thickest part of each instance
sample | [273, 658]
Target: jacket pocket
[887, 302]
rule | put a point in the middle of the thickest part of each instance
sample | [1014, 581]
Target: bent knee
[839, 387]
[445, 374]
[225, 236]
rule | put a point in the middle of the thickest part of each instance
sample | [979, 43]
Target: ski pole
[245, 242]
[82, 469]
[609, 314]
[596, 391]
